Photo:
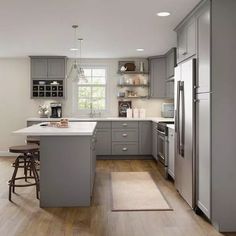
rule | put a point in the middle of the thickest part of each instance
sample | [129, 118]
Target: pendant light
[76, 73]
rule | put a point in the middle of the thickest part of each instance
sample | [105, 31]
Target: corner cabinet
[157, 77]
[145, 138]
[186, 40]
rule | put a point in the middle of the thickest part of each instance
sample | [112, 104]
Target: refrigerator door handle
[177, 116]
[182, 120]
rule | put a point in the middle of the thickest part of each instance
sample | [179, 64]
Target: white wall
[16, 105]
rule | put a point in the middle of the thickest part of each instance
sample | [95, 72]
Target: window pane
[99, 80]
[98, 92]
[84, 92]
[84, 103]
[88, 72]
[99, 72]
[99, 104]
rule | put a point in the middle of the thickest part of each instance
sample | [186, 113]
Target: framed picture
[123, 106]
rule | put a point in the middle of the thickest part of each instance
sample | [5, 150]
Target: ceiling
[110, 28]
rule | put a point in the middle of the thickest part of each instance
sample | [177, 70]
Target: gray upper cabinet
[170, 63]
[186, 40]
[39, 68]
[170, 89]
[203, 45]
[48, 67]
[157, 68]
[56, 68]
[145, 138]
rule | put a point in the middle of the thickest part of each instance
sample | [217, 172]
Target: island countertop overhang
[74, 129]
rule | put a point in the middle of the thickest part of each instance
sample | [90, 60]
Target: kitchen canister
[129, 113]
[142, 113]
[136, 113]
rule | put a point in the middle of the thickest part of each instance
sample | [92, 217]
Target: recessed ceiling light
[140, 49]
[164, 13]
[74, 49]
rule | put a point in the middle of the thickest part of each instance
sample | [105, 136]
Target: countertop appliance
[185, 170]
[167, 110]
[56, 110]
[162, 145]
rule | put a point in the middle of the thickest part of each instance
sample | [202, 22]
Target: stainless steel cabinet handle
[124, 135]
[196, 100]
[124, 124]
[124, 149]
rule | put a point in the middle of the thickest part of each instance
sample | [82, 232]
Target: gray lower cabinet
[125, 135]
[93, 163]
[125, 148]
[145, 138]
[103, 145]
[157, 76]
[203, 152]
[154, 140]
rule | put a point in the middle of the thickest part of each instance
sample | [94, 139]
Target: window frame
[75, 100]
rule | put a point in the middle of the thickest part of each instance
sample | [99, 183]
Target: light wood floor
[25, 218]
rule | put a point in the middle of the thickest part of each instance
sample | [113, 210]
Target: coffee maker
[56, 110]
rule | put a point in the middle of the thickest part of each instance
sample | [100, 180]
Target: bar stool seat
[25, 160]
[33, 140]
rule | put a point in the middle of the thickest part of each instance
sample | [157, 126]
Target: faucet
[92, 112]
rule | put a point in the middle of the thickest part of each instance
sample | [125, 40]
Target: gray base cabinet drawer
[124, 124]
[119, 148]
[103, 125]
[125, 135]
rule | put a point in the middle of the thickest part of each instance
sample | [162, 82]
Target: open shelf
[133, 72]
[136, 97]
[133, 85]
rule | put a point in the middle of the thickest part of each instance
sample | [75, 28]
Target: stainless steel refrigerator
[185, 77]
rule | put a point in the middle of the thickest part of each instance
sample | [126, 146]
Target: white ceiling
[110, 28]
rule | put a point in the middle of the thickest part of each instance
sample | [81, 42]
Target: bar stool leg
[12, 181]
[25, 167]
[35, 174]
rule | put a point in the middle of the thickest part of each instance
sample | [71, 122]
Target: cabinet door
[191, 38]
[170, 89]
[92, 164]
[56, 68]
[203, 155]
[145, 138]
[39, 68]
[181, 44]
[171, 63]
[203, 25]
[154, 140]
[157, 77]
[103, 145]
[171, 153]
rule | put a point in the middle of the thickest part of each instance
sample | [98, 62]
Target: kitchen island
[67, 163]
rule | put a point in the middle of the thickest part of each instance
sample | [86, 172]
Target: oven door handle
[160, 132]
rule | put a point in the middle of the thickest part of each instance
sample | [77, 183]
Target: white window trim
[86, 112]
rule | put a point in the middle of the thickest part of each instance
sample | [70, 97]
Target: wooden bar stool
[33, 140]
[24, 160]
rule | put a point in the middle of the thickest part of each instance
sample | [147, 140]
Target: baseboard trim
[7, 154]
[124, 157]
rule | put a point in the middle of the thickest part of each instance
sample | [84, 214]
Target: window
[92, 93]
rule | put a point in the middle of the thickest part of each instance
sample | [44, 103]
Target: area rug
[136, 191]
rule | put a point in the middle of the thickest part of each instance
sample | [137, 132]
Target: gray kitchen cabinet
[203, 45]
[203, 153]
[93, 163]
[170, 89]
[170, 63]
[157, 75]
[39, 68]
[125, 148]
[103, 145]
[171, 152]
[56, 68]
[154, 140]
[125, 135]
[145, 138]
[186, 40]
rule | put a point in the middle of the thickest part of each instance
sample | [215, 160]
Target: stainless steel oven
[162, 145]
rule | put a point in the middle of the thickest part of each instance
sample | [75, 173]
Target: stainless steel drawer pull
[124, 149]
[124, 124]
[124, 135]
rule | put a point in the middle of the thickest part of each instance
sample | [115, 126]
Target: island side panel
[65, 171]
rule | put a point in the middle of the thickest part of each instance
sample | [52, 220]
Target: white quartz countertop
[154, 119]
[171, 126]
[75, 129]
